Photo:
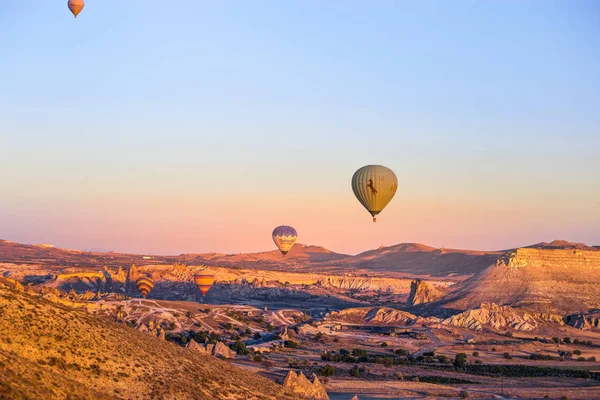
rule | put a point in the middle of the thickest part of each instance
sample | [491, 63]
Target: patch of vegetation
[542, 357]
[240, 348]
[440, 380]
[528, 371]
[460, 360]
[298, 363]
[326, 370]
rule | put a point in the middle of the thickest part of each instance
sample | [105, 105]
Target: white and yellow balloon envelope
[374, 186]
[284, 238]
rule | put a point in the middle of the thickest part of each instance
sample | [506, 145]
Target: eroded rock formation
[422, 292]
[373, 316]
[300, 385]
[194, 346]
[493, 316]
[584, 320]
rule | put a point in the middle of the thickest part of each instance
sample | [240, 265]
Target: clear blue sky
[166, 127]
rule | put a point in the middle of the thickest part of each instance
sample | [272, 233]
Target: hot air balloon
[284, 238]
[144, 285]
[204, 281]
[75, 6]
[374, 186]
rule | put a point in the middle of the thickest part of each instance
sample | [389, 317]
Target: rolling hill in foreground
[51, 351]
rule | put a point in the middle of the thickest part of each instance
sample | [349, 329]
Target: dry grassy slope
[48, 351]
[558, 281]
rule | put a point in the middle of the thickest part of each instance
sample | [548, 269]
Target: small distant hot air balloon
[144, 285]
[76, 6]
[374, 186]
[204, 281]
[284, 238]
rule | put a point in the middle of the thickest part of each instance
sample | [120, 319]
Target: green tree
[240, 347]
[460, 360]
[354, 371]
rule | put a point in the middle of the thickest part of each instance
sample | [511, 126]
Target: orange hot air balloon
[204, 282]
[76, 6]
[144, 285]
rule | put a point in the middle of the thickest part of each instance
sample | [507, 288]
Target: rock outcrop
[301, 386]
[218, 350]
[132, 277]
[422, 292]
[222, 351]
[493, 316]
[194, 346]
[373, 316]
[584, 320]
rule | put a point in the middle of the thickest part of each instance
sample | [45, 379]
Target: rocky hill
[539, 280]
[373, 316]
[48, 351]
[300, 253]
[494, 317]
[413, 260]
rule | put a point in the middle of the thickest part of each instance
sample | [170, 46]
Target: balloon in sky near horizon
[204, 282]
[284, 238]
[374, 186]
[75, 6]
[144, 285]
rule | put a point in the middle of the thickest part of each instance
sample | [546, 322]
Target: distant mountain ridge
[563, 244]
[413, 259]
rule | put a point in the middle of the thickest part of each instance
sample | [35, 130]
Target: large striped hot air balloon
[284, 238]
[204, 281]
[144, 285]
[374, 186]
[76, 6]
